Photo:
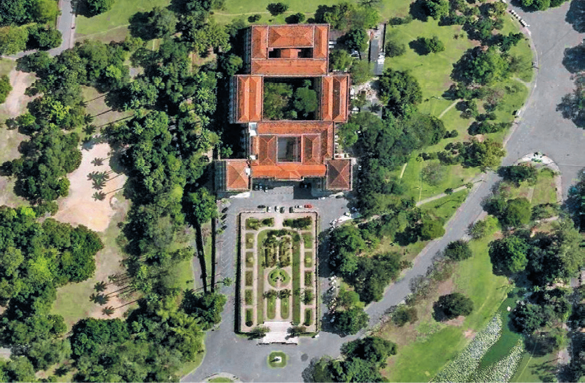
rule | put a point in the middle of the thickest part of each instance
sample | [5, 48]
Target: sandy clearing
[16, 101]
[79, 208]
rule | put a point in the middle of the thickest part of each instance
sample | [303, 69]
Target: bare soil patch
[79, 208]
[16, 101]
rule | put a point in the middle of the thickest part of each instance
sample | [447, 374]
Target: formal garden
[278, 271]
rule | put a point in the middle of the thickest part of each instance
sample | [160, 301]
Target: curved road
[541, 128]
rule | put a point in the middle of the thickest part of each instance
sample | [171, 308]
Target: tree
[458, 250]
[12, 40]
[372, 349]
[5, 88]
[432, 45]
[201, 206]
[276, 9]
[486, 154]
[356, 39]
[519, 173]
[95, 7]
[481, 67]
[351, 321]
[305, 101]
[508, 255]
[431, 229]
[162, 22]
[339, 59]
[45, 11]
[394, 47]
[43, 38]
[453, 305]
[518, 213]
[206, 307]
[254, 18]
[360, 71]
[231, 64]
[400, 90]
[436, 8]
[296, 18]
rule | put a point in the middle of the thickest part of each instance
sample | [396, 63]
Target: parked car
[261, 206]
[308, 206]
[282, 209]
[269, 209]
[276, 209]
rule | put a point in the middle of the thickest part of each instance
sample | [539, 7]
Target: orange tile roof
[236, 177]
[339, 174]
[340, 100]
[290, 36]
[312, 150]
[316, 143]
[321, 46]
[259, 41]
[250, 89]
[334, 101]
[327, 98]
[288, 171]
[289, 67]
[267, 150]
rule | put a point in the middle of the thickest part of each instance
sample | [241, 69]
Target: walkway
[541, 129]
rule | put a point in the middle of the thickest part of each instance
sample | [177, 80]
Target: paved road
[541, 128]
[65, 25]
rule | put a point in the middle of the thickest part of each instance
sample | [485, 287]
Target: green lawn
[220, 380]
[271, 307]
[444, 208]
[116, 19]
[273, 363]
[540, 193]
[436, 343]
[6, 66]
[284, 307]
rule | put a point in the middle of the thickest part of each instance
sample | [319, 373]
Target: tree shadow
[419, 47]
[438, 313]
[574, 59]
[81, 8]
[576, 15]
[570, 108]
[140, 27]
[417, 10]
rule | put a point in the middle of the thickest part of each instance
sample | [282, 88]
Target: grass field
[544, 191]
[427, 346]
[6, 66]
[445, 207]
[115, 20]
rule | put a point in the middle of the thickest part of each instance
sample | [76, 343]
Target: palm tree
[100, 286]
[108, 310]
[99, 196]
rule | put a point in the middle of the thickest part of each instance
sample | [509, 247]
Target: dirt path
[449, 108]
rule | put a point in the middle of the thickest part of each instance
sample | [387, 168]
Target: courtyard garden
[277, 270]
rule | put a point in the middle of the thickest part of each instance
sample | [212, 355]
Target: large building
[288, 149]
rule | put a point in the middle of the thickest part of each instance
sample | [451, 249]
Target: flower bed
[462, 367]
[504, 369]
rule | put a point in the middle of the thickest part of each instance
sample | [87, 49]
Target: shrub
[5, 88]
[431, 229]
[453, 305]
[276, 9]
[403, 315]
[434, 173]
[254, 18]
[458, 250]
